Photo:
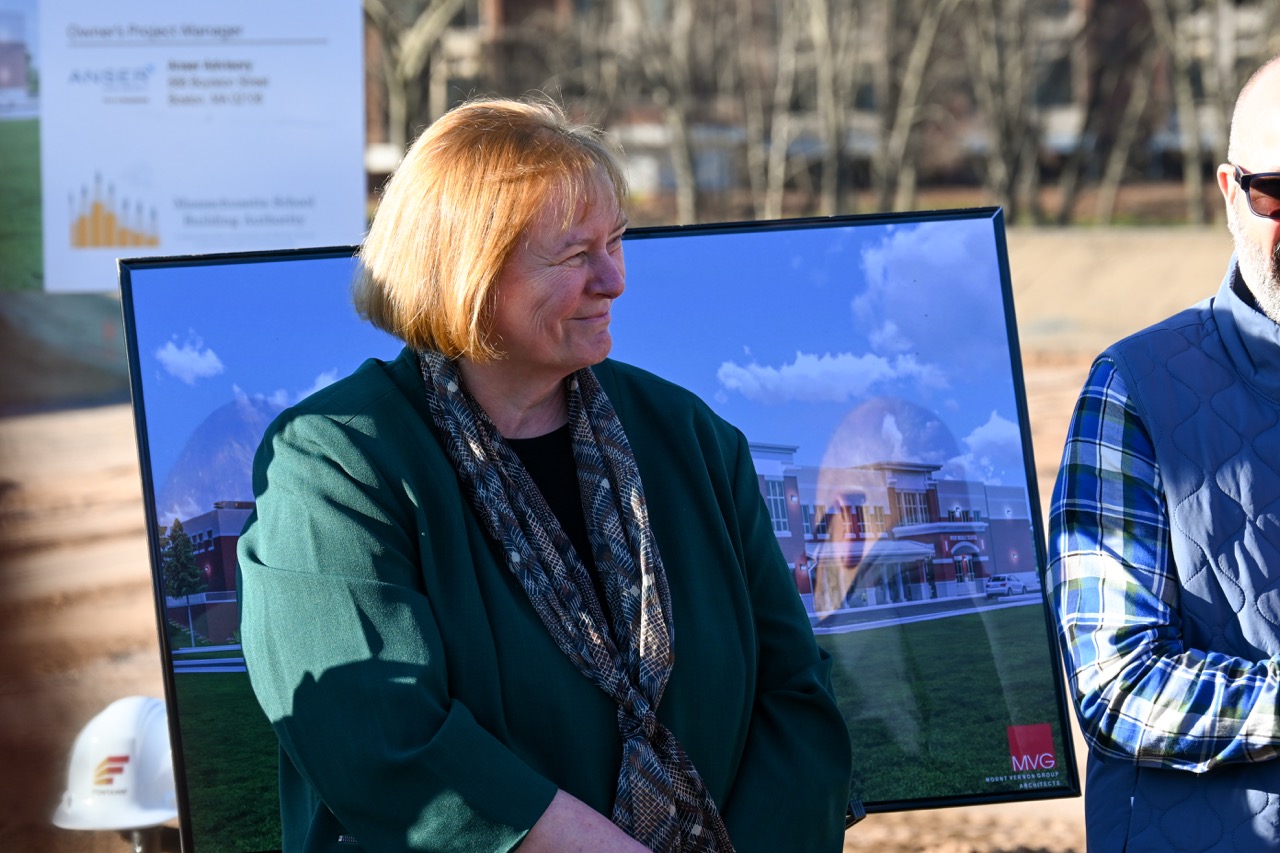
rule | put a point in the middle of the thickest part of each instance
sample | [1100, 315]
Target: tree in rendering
[182, 577]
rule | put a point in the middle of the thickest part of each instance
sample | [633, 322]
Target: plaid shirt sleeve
[1141, 694]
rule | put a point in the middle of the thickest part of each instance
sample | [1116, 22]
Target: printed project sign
[174, 128]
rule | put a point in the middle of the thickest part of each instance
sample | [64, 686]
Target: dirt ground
[77, 625]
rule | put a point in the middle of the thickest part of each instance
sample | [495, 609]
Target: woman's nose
[610, 277]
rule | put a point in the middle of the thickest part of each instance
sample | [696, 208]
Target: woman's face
[552, 298]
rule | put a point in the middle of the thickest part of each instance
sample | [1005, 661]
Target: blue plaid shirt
[1140, 693]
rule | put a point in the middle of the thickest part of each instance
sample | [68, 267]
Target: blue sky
[791, 334]
[842, 341]
[210, 334]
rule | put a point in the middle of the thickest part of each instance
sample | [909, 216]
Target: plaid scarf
[626, 645]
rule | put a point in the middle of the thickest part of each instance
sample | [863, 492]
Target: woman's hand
[571, 826]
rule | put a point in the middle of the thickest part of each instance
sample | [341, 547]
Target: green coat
[419, 701]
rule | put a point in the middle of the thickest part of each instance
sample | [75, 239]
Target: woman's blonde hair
[461, 200]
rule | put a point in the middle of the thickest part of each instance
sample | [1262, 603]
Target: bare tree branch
[894, 175]
[1167, 18]
[1109, 187]
[409, 37]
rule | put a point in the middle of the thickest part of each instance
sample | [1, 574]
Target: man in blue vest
[1164, 544]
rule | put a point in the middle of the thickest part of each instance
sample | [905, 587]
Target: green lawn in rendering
[231, 761]
[928, 703]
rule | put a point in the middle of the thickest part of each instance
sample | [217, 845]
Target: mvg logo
[108, 769]
[1031, 747]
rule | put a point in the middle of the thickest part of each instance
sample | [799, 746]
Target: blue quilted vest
[1206, 383]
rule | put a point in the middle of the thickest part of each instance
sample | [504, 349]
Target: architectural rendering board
[872, 364]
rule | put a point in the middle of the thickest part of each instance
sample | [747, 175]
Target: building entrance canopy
[878, 550]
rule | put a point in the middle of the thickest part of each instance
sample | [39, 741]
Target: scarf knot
[631, 725]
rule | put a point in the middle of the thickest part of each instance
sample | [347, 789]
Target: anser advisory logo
[113, 78]
[127, 85]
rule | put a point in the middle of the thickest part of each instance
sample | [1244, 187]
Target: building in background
[213, 614]
[762, 108]
[18, 79]
[892, 531]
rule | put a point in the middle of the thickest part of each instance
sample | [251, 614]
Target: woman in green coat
[503, 592]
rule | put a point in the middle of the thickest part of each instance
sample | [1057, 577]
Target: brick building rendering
[890, 531]
[213, 614]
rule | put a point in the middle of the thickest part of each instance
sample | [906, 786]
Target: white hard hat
[121, 774]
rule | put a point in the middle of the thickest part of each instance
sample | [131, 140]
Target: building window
[806, 520]
[876, 523]
[776, 498]
[820, 522]
[912, 508]
[847, 523]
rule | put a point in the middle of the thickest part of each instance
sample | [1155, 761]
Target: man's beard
[1259, 269]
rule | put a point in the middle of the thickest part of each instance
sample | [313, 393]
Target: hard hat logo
[109, 768]
[121, 773]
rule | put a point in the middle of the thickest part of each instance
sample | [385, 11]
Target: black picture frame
[872, 362]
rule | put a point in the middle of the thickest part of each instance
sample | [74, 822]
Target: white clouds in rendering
[839, 378]
[888, 338]
[994, 453]
[892, 438]
[856, 344]
[921, 311]
[927, 289]
[282, 398]
[189, 362]
[278, 399]
[889, 429]
[323, 380]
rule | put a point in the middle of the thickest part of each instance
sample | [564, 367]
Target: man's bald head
[1259, 96]
[1254, 147]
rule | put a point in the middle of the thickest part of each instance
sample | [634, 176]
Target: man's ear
[1227, 182]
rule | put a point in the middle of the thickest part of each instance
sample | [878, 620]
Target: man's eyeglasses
[1263, 191]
